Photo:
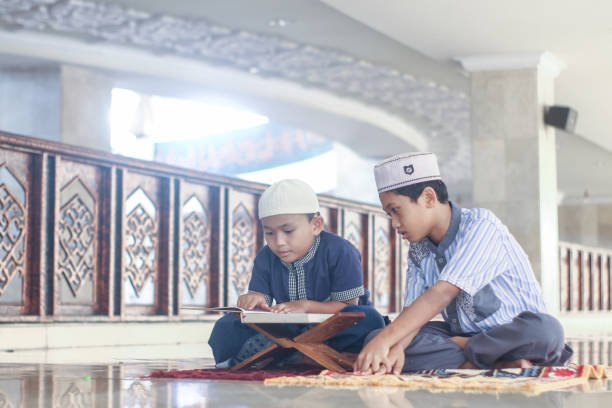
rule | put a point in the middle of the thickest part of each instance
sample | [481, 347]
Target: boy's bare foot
[460, 341]
[521, 363]
[467, 365]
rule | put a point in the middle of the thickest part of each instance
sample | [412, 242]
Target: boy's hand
[374, 358]
[253, 300]
[396, 359]
[297, 306]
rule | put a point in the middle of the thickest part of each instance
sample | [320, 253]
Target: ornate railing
[596, 350]
[86, 235]
[585, 278]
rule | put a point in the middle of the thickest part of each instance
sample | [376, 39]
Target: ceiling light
[278, 22]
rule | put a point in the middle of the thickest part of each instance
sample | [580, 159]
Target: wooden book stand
[310, 343]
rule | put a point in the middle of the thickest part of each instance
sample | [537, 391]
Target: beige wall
[586, 224]
[29, 101]
[60, 103]
[86, 100]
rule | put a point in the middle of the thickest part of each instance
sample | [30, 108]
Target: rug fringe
[532, 381]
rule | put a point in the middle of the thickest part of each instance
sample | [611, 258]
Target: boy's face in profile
[411, 219]
[290, 236]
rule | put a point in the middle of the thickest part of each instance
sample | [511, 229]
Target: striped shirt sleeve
[415, 283]
[480, 257]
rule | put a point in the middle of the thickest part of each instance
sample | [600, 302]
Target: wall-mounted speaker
[561, 117]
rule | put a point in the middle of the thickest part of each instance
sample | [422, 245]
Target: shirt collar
[307, 257]
[453, 228]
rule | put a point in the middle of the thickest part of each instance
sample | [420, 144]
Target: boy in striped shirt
[465, 264]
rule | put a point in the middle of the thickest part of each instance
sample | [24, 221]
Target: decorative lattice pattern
[76, 243]
[12, 223]
[140, 247]
[382, 281]
[196, 251]
[242, 248]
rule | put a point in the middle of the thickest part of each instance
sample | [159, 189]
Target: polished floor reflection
[116, 377]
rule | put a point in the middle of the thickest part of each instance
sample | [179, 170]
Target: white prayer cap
[290, 196]
[406, 169]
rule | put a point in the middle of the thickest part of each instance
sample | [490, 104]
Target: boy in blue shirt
[302, 269]
[465, 264]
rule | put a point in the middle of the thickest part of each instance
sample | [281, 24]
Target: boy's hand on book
[253, 300]
[297, 306]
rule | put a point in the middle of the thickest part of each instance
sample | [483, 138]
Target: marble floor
[114, 377]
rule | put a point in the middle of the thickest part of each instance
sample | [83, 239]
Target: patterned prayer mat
[227, 374]
[527, 380]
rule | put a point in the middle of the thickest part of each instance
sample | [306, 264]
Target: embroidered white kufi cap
[406, 169]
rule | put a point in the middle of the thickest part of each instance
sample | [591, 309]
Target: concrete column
[86, 99]
[579, 224]
[514, 157]
[60, 103]
[29, 100]
[604, 218]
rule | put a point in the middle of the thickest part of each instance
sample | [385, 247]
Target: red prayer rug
[527, 380]
[227, 374]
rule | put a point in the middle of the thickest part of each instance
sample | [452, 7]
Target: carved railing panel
[12, 236]
[15, 219]
[242, 242]
[585, 278]
[74, 393]
[401, 265]
[330, 216]
[141, 243]
[383, 288]
[195, 245]
[354, 230]
[79, 252]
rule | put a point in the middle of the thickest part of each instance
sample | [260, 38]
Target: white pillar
[29, 100]
[579, 223]
[604, 228]
[86, 99]
[514, 155]
[60, 103]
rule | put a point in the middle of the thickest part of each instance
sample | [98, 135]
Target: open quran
[261, 316]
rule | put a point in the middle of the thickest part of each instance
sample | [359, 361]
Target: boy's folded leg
[536, 337]
[228, 336]
[431, 348]
[352, 339]
[253, 345]
[564, 357]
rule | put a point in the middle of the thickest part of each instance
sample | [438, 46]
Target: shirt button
[454, 320]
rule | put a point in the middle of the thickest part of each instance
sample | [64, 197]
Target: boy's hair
[414, 191]
[312, 215]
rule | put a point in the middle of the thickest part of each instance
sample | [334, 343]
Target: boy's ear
[318, 223]
[430, 196]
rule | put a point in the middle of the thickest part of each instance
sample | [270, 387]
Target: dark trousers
[229, 334]
[537, 337]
